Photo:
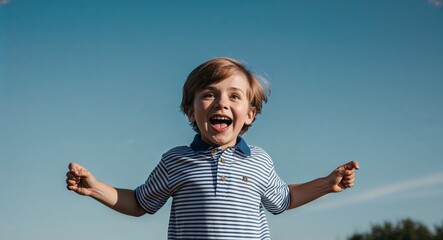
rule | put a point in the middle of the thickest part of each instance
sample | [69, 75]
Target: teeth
[221, 118]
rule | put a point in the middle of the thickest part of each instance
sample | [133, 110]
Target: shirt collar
[199, 145]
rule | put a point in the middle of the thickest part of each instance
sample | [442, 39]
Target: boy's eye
[235, 96]
[208, 95]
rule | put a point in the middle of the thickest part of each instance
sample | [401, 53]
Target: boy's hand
[343, 177]
[80, 180]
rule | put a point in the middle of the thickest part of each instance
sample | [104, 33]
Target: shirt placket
[223, 172]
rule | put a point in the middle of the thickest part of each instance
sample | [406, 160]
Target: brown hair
[216, 70]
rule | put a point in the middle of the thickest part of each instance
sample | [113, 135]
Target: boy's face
[220, 110]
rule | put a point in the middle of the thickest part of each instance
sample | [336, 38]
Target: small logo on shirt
[245, 179]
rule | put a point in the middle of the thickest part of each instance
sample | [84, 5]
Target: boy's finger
[75, 167]
[72, 166]
[71, 177]
[349, 173]
[78, 170]
[351, 165]
[72, 187]
[70, 174]
[71, 182]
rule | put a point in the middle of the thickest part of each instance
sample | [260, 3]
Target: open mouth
[220, 122]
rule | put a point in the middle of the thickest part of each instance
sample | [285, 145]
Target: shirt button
[223, 178]
[214, 151]
[222, 160]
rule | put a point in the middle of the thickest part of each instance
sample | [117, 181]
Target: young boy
[219, 184]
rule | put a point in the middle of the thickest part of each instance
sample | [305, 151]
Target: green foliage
[406, 229]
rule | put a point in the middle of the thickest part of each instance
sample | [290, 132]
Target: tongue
[219, 126]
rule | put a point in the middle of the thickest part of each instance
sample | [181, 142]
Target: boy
[220, 185]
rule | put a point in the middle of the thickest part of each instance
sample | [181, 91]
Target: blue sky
[99, 83]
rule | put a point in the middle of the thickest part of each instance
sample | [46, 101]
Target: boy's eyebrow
[231, 89]
[236, 89]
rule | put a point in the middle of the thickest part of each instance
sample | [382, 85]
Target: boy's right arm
[83, 182]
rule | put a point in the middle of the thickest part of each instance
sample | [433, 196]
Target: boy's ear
[190, 114]
[251, 116]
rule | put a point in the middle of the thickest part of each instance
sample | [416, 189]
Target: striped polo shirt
[217, 194]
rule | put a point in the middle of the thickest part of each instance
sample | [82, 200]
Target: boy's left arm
[340, 179]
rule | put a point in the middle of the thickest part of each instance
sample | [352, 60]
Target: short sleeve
[276, 197]
[152, 195]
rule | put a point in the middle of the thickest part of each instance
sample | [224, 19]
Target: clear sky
[99, 83]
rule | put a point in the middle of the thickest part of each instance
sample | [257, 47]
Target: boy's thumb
[78, 170]
[352, 165]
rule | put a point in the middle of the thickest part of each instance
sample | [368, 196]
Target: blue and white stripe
[216, 194]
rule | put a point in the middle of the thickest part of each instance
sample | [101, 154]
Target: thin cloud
[435, 3]
[384, 191]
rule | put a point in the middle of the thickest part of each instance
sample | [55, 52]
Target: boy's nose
[221, 103]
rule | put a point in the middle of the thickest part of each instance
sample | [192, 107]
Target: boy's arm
[341, 178]
[83, 182]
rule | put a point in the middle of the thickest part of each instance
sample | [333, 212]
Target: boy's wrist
[101, 191]
[325, 185]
